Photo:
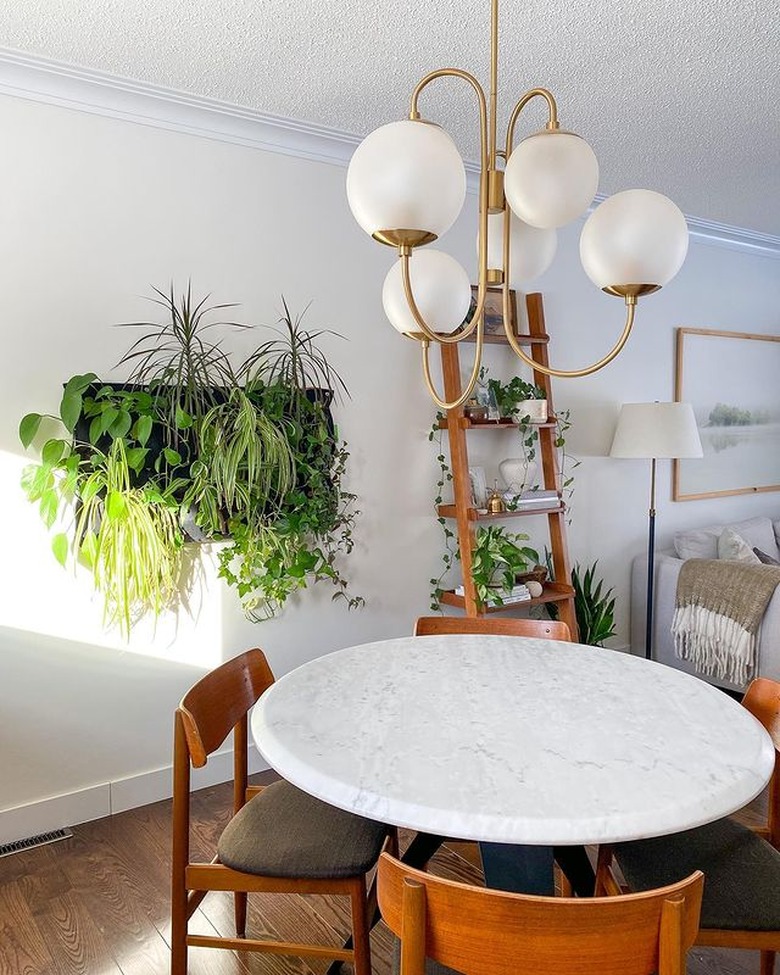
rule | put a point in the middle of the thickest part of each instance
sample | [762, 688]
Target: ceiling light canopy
[406, 186]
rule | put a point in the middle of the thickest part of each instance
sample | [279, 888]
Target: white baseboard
[106, 798]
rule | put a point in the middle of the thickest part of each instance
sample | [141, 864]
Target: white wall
[94, 212]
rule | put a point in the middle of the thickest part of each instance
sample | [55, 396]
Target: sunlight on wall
[39, 596]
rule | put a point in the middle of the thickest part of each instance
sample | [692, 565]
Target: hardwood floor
[97, 904]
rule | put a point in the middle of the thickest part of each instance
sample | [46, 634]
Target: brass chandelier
[406, 185]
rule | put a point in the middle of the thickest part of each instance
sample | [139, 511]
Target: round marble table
[512, 740]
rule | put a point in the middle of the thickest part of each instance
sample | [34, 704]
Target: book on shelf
[533, 499]
[517, 594]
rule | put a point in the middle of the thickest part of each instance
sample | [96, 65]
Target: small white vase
[518, 473]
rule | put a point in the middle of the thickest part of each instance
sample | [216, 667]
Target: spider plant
[130, 540]
[245, 462]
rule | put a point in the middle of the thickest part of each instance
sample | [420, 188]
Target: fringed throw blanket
[718, 612]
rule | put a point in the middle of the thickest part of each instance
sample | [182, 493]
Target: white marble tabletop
[512, 740]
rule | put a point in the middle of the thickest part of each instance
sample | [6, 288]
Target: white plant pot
[535, 409]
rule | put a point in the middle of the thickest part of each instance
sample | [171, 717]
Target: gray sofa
[702, 543]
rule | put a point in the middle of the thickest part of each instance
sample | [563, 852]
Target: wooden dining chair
[541, 629]
[279, 840]
[741, 906]
[490, 932]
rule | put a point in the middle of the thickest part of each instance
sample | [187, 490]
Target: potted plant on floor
[192, 448]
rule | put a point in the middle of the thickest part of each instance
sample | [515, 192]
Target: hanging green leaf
[143, 429]
[59, 546]
[29, 427]
[70, 409]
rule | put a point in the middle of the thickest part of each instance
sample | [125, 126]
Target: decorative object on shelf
[534, 500]
[653, 431]
[475, 411]
[518, 473]
[537, 574]
[494, 310]
[479, 491]
[406, 185]
[594, 605]
[246, 455]
[532, 411]
[495, 503]
[730, 379]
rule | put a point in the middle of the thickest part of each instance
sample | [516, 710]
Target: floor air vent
[32, 841]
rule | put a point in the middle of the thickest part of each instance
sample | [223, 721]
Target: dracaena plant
[248, 456]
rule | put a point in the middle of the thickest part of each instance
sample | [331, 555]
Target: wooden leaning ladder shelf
[463, 511]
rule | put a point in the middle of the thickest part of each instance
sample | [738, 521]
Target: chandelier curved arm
[442, 403]
[552, 121]
[631, 301]
[426, 332]
[405, 252]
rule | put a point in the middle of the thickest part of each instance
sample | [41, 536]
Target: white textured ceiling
[682, 96]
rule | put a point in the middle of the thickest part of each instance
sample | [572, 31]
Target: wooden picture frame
[731, 381]
[494, 310]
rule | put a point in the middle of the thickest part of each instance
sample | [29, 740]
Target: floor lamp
[654, 431]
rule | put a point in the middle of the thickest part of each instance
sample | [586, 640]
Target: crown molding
[99, 93]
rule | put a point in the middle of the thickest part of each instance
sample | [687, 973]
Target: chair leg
[178, 929]
[767, 962]
[239, 906]
[178, 940]
[360, 930]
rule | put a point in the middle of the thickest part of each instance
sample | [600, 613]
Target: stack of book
[530, 500]
[518, 594]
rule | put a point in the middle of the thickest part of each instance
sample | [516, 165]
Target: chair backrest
[542, 629]
[762, 699]
[490, 932]
[216, 704]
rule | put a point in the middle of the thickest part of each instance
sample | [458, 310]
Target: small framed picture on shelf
[478, 486]
[494, 310]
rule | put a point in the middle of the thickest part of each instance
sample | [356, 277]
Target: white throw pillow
[700, 543]
[734, 548]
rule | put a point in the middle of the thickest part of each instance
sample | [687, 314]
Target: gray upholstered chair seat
[741, 872]
[284, 832]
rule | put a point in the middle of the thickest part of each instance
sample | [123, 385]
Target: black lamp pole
[650, 565]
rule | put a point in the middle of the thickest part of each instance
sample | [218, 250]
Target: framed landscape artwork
[731, 381]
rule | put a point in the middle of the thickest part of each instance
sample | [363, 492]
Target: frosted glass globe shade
[406, 175]
[634, 237]
[531, 249]
[551, 178]
[441, 289]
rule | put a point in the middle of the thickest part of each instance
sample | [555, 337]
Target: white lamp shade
[634, 237]
[531, 249]
[441, 290]
[551, 177]
[656, 430]
[406, 176]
